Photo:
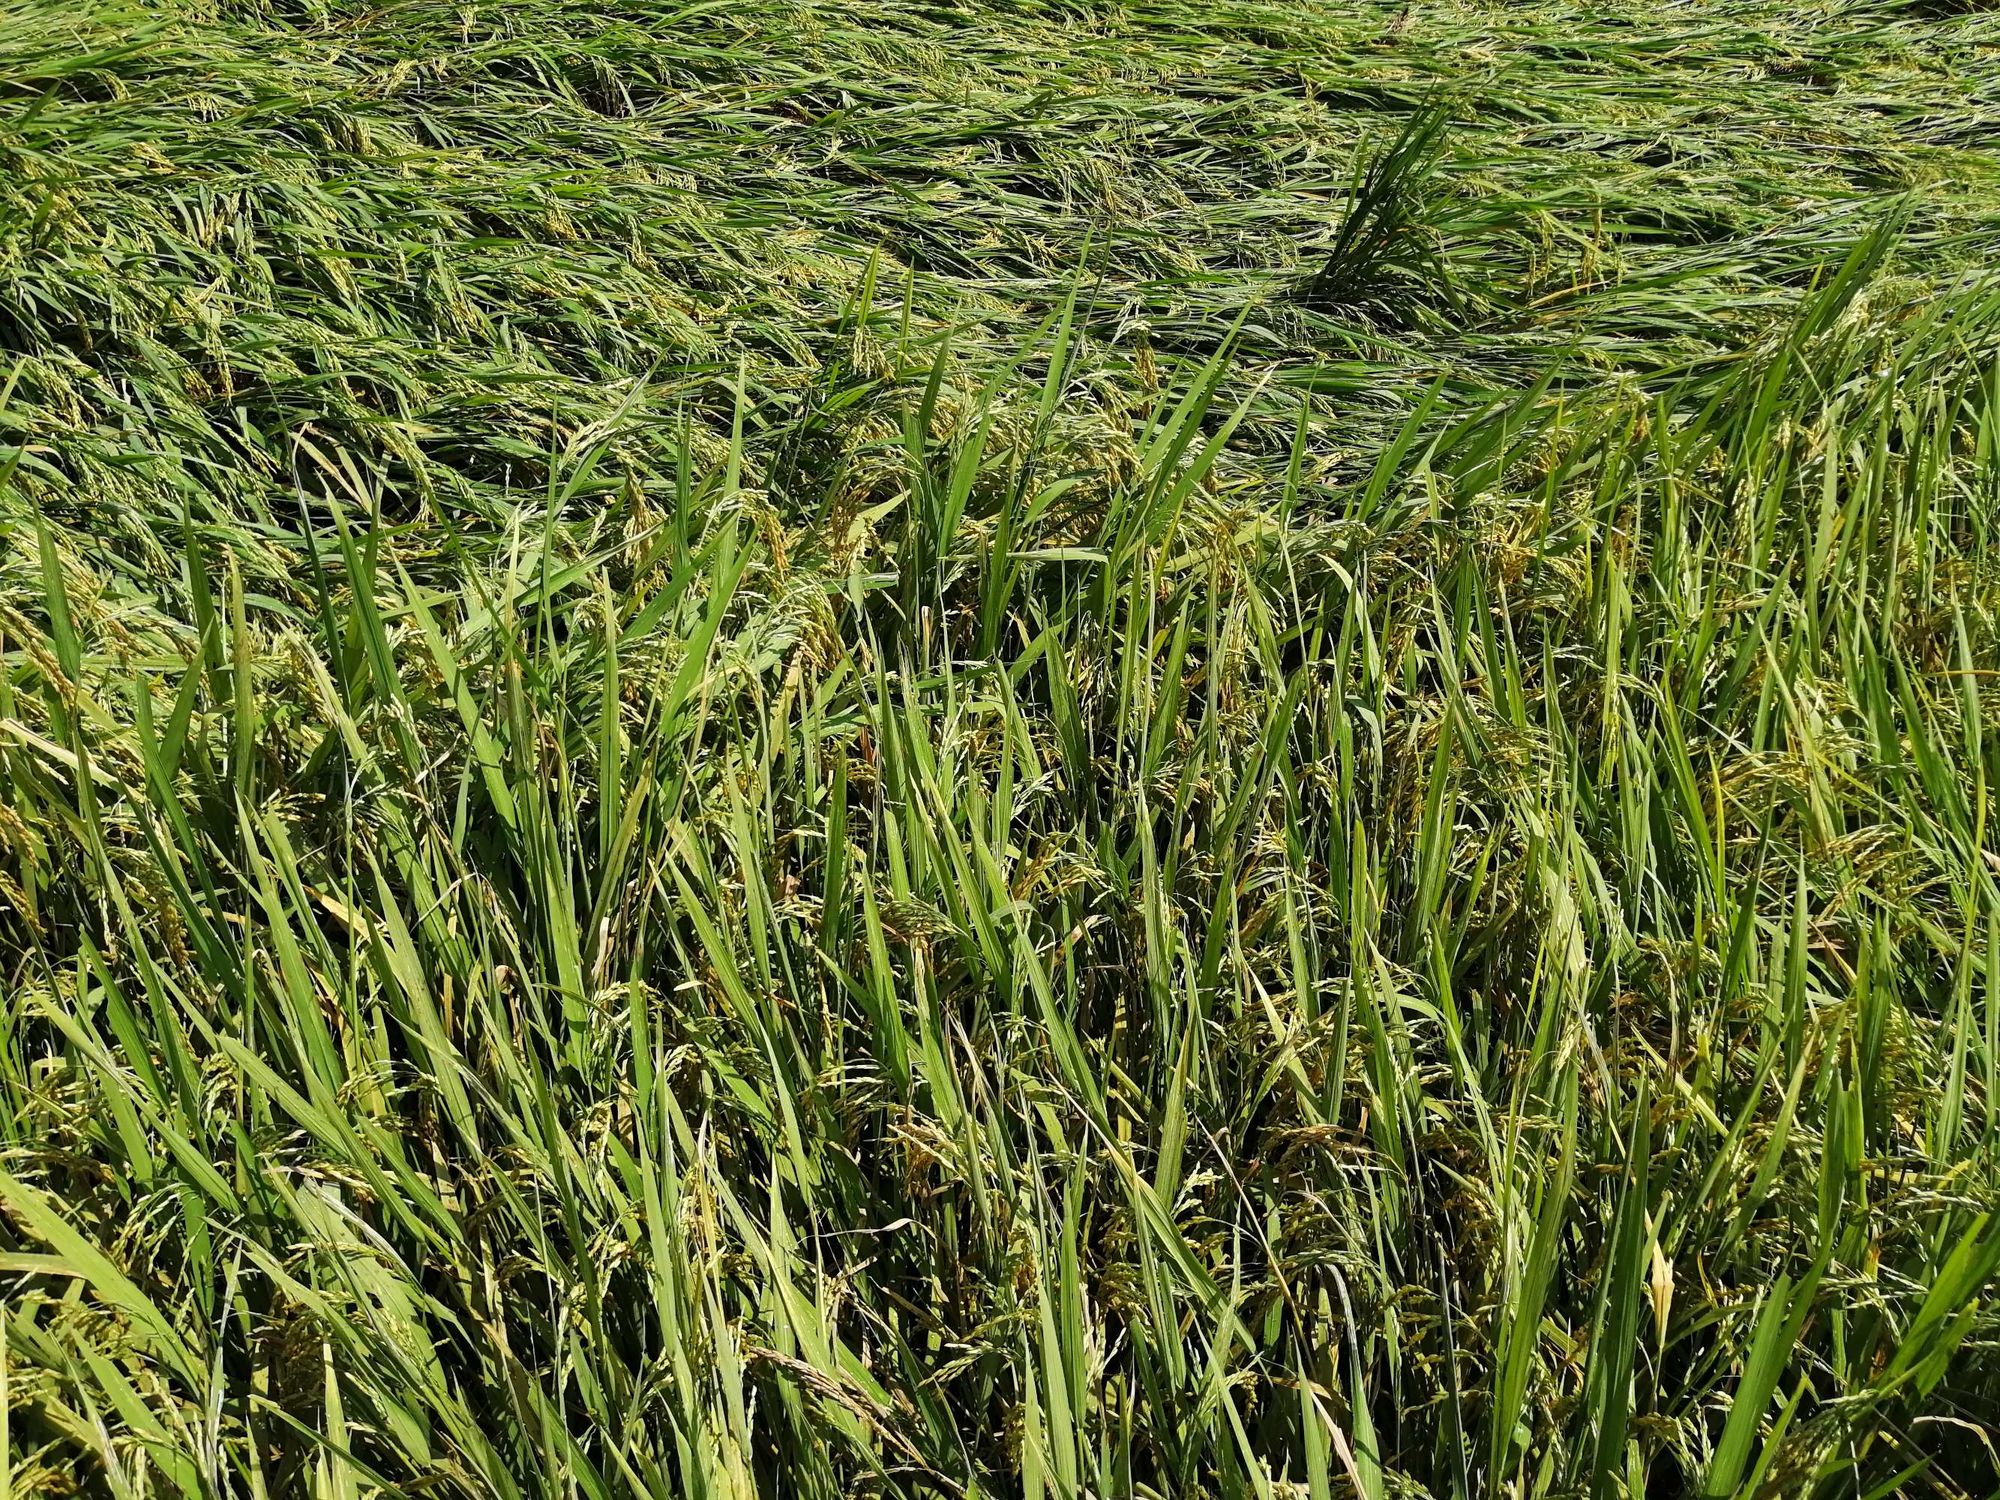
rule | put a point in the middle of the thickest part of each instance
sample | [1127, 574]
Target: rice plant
[1060, 748]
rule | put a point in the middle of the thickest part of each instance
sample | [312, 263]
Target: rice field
[1067, 749]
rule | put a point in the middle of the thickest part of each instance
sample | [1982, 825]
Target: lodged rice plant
[1049, 748]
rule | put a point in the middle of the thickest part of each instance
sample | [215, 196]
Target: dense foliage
[994, 747]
